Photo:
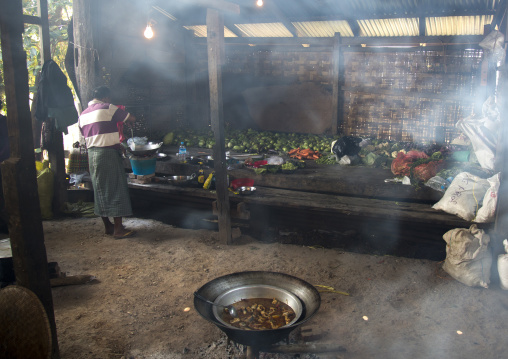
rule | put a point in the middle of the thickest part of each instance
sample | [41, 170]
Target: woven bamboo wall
[406, 95]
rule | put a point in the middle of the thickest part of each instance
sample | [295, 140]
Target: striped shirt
[98, 124]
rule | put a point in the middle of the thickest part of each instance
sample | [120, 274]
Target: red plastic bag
[401, 164]
[258, 164]
[242, 182]
[426, 171]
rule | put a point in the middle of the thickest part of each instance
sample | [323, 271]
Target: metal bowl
[307, 294]
[257, 291]
[179, 180]
[244, 190]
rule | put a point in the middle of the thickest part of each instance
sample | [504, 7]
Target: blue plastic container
[142, 166]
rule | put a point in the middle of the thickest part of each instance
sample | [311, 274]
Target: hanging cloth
[54, 98]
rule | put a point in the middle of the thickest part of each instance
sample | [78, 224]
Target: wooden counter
[358, 181]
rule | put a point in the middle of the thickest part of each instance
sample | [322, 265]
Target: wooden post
[336, 93]
[501, 224]
[42, 12]
[56, 154]
[215, 43]
[85, 54]
[18, 172]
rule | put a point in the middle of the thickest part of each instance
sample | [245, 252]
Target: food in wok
[260, 314]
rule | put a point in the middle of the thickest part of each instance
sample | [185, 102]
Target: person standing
[99, 126]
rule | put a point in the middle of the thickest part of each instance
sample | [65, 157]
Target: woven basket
[24, 328]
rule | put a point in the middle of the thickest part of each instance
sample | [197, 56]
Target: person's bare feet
[110, 229]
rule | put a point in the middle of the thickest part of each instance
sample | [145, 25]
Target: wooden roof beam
[355, 28]
[232, 27]
[500, 13]
[353, 41]
[422, 25]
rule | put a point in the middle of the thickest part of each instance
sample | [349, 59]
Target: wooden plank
[215, 36]
[468, 40]
[422, 25]
[342, 180]
[18, 172]
[29, 19]
[336, 75]
[319, 202]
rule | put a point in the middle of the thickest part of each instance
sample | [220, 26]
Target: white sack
[483, 133]
[468, 258]
[464, 196]
[488, 209]
[502, 267]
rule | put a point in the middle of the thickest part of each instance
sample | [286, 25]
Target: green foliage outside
[59, 15]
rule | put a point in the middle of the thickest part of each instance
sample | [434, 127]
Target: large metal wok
[305, 292]
[144, 150]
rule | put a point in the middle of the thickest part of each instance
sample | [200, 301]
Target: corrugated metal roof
[389, 27]
[456, 25]
[323, 28]
[324, 18]
[275, 29]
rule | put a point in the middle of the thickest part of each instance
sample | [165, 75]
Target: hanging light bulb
[259, 3]
[148, 31]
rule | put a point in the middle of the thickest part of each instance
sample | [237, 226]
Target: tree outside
[60, 14]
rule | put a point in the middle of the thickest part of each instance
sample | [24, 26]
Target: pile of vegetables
[373, 152]
[304, 154]
[252, 141]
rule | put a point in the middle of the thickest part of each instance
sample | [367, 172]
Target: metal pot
[306, 293]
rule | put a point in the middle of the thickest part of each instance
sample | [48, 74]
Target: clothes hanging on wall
[54, 98]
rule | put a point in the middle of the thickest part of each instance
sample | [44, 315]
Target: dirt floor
[136, 307]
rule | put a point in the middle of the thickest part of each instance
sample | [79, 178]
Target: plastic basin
[143, 166]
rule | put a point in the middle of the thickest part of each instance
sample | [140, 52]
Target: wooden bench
[341, 209]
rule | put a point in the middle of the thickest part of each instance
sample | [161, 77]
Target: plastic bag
[494, 43]
[275, 160]
[137, 141]
[488, 210]
[45, 180]
[483, 133]
[77, 178]
[348, 160]
[346, 146]
[464, 196]
[468, 258]
[438, 183]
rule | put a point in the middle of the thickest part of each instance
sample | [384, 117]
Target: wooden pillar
[42, 12]
[501, 224]
[85, 54]
[336, 85]
[18, 172]
[56, 154]
[215, 44]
